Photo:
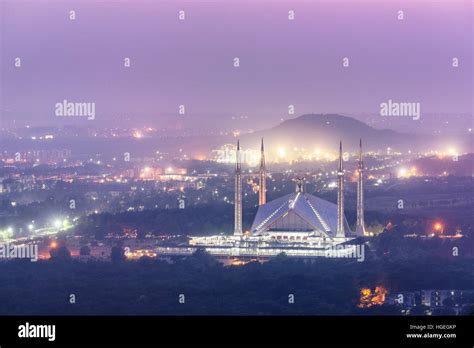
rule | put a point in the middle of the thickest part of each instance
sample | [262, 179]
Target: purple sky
[190, 62]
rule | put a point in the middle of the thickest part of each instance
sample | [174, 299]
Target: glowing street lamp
[438, 227]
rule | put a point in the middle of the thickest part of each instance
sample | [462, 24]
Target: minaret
[340, 196]
[262, 192]
[238, 194]
[360, 228]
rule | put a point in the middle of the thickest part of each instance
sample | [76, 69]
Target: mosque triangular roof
[298, 211]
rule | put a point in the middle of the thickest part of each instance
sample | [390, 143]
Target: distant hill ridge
[325, 130]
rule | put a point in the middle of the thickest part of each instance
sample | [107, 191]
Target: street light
[438, 227]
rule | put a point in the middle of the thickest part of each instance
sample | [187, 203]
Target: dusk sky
[190, 62]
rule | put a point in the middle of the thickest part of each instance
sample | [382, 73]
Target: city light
[438, 227]
[406, 173]
[402, 172]
[137, 135]
[369, 298]
[281, 152]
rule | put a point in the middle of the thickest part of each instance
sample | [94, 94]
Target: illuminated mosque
[298, 224]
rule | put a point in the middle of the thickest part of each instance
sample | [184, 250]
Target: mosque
[298, 224]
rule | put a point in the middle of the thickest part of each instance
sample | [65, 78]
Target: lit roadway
[38, 234]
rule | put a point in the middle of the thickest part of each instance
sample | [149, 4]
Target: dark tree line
[153, 286]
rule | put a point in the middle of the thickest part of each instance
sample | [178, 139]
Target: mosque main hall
[298, 224]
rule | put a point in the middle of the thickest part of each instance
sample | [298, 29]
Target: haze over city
[281, 62]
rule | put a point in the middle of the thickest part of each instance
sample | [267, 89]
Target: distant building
[431, 298]
[436, 298]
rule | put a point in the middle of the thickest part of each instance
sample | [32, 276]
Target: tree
[117, 254]
[60, 253]
[202, 258]
[85, 251]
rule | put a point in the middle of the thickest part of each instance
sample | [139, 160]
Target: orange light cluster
[140, 253]
[369, 298]
[137, 135]
[238, 262]
[253, 184]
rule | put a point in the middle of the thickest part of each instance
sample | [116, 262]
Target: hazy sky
[190, 62]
